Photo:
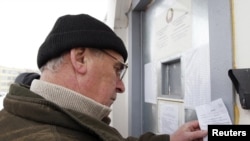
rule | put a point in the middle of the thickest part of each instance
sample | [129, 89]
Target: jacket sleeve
[150, 137]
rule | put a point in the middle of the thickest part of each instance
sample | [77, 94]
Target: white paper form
[197, 76]
[212, 113]
[168, 117]
[150, 83]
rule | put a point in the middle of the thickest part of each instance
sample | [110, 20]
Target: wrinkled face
[103, 81]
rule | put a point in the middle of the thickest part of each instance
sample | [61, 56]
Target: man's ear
[77, 57]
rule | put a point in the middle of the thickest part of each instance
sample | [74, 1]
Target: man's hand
[189, 131]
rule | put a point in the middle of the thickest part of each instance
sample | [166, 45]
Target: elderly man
[82, 66]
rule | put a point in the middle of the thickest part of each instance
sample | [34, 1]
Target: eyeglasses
[123, 67]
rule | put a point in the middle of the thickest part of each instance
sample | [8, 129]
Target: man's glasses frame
[125, 65]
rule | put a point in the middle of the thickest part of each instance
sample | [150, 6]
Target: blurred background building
[7, 76]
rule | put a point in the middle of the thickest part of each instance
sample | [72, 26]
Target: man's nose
[120, 88]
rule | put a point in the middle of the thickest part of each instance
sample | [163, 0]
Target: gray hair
[54, 64]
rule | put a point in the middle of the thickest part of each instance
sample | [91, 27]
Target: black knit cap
[81, 30]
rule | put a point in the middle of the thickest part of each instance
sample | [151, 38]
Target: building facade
[7, 76]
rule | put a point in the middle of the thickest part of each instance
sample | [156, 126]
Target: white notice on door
[212, 113]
